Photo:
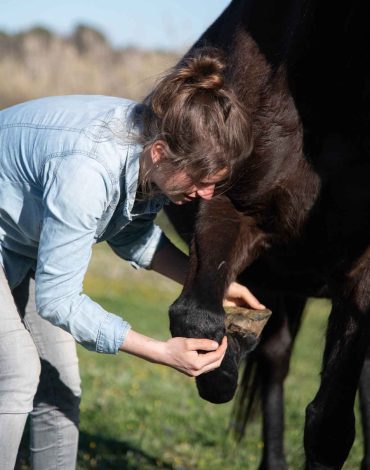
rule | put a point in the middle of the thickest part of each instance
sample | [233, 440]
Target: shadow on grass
[97, 452]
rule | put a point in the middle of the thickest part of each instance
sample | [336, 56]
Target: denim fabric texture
[69, 168]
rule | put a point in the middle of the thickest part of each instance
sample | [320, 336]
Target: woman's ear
[157, 151]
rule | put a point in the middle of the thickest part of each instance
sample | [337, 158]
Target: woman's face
[180, 179]
[205, 189]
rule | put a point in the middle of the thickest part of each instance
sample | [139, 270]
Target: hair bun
[203, 70]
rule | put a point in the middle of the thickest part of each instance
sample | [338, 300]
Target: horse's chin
[217, 386]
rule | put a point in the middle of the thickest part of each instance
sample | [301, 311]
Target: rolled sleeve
[74, 202]
[108, 342]
[138, 241]
[89, 324]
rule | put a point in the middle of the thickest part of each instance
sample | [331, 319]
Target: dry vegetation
[40, 63]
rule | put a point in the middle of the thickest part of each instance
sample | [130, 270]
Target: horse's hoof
[246, 325]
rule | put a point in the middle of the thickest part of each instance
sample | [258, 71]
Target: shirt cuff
[112, 333]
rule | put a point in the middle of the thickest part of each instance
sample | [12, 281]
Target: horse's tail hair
[248, 395]
[246, 402]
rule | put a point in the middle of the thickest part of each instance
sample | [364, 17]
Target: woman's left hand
[239, 296]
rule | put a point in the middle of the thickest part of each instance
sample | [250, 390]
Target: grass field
[137, 415]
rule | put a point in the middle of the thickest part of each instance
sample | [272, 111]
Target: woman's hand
[239, 296]
[183, 355]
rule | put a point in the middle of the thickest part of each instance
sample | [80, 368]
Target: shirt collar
[132, 168]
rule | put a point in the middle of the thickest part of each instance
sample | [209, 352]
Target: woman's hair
[199, 118]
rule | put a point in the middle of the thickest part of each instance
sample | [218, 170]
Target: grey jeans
[38, 375]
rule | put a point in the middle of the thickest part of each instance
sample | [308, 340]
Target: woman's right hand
[183, 355]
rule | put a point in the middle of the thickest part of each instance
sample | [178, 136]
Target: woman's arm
[179, 353]
[76, 192]
[171, 262]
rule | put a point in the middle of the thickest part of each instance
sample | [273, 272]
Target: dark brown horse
[296, 221]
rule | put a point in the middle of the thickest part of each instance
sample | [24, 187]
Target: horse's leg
[198, 312]
[364, 395]
[273, 365]
[330, 421]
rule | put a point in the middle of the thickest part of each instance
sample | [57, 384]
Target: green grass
[138, 415]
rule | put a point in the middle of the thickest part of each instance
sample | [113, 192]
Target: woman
[76, 170]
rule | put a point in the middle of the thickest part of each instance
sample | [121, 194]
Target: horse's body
[296, 221]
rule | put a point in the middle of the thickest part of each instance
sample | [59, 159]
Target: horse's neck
[278, 186]
[275, 183]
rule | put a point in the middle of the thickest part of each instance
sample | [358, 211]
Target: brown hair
[198, 116]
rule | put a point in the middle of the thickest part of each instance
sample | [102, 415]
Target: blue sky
[170, 24]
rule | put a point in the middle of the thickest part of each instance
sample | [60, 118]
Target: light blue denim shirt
[69, 168]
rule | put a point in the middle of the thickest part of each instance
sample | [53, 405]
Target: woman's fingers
[214, 357]
[251, 300]
[203, 344]
[194, 356]
[204, 362]
[211, 367]
[238, 295]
